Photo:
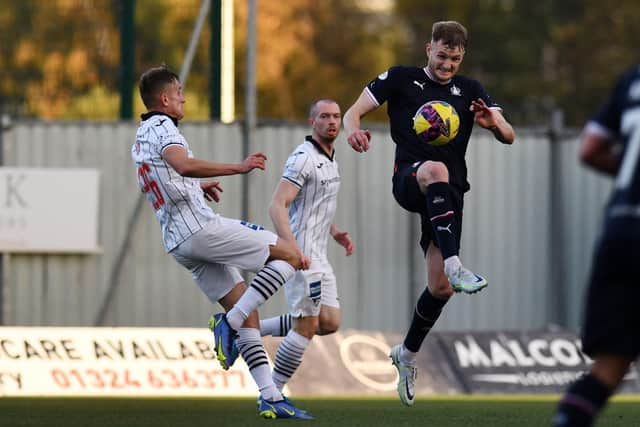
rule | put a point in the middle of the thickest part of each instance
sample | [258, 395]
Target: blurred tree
[534, 57]
[62, 55]
[507, 40]
[312, 49]
[59, 58]
[590, 49]
[47, 67]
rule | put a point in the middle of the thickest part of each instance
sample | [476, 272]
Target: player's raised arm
[358, 138]
[492, 119]
[191, 167]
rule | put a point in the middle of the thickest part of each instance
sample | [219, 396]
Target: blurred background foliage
[60, 58]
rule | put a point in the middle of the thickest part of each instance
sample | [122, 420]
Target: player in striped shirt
[209, 245]
[302, 210]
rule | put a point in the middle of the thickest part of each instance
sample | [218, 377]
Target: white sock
[451, 264]
[266, 283]
[252, 351]
[238, 314]
[288, 357]
[277, 326]
[407, 356]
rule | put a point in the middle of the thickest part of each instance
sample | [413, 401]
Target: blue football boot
[285, 398]
[281, 409]
[225, 340]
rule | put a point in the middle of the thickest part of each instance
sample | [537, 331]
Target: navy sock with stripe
[427, 311]
[442, 217]
[582, 402]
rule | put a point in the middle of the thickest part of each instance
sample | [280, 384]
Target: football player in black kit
[430, 180]
[611, 144]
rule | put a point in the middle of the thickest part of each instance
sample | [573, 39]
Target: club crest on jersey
[455, 91]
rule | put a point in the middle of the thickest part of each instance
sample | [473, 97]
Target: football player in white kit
[212, 247]
[302, 210]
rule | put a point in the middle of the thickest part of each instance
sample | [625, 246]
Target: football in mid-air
[436, 123]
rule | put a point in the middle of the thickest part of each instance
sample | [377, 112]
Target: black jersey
[405, 89]
[620, 116]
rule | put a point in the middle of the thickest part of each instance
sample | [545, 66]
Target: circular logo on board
[367, 359]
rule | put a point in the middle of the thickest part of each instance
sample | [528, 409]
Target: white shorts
[308, 289]
[215, 253]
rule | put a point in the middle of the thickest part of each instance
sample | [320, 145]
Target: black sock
[582, 402]
[427, 311]
[441, 215]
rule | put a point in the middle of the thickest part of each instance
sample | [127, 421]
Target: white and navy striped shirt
[312, 211]
[178, 201]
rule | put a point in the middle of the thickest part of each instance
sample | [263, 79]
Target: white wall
[507, 234]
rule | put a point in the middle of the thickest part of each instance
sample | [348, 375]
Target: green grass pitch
[465, 411]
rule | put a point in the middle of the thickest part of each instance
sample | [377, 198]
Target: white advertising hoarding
[49, 210]
[116, 362]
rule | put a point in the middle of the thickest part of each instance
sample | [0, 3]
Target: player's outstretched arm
[178, 159]
[342, 238]
[358, 138]
[283, 196]
[492, 119]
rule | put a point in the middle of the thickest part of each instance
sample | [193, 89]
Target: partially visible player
[611, 144]
[207, 244]
[430, 180]
[302, 210]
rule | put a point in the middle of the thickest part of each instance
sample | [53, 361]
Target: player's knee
[286, 252]
[295, 262]
[307, 326]
[329, 320]
[328, 326]
[430, 172]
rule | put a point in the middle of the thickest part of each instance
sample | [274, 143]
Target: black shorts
[407, 193]
[612, 316]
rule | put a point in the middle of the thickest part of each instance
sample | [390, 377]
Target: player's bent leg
[430, 172]
[264, 285]
[407, 375]
[285, 251]
[329, 320]
[437, 280]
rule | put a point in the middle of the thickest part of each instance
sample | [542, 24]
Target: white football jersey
[178, 201]
[312, 211]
